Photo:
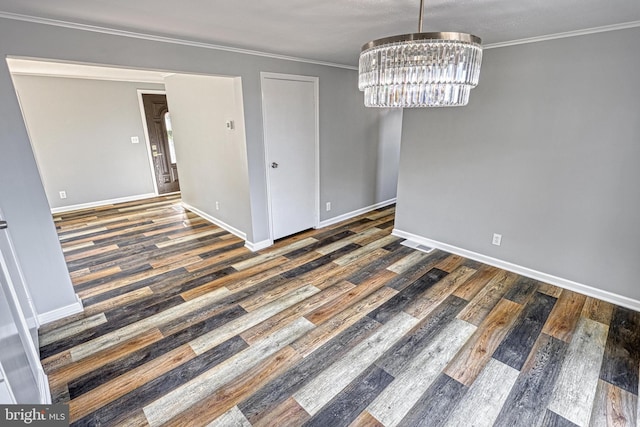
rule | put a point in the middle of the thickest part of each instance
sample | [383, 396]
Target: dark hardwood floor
[341, 326]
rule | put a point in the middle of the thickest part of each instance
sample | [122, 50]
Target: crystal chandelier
[420, 69]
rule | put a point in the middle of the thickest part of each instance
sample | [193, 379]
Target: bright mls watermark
[34, 415]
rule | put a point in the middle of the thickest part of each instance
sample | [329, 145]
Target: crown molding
[595, 30]
[162, 39]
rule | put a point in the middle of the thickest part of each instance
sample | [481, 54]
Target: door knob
[3, 225]
[274, 165]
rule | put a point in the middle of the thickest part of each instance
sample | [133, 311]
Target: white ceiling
[329, 30]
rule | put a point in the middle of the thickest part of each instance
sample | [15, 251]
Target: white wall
[212, 161]
[81, 133]
[546, 154]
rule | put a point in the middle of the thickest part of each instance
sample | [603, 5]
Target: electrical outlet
[497, 239]
[63, 194]
[328, 206]
[217, 206]
[135, 140]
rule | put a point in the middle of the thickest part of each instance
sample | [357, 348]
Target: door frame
[146, 133]
[316, 95]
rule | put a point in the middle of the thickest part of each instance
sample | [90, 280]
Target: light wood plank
[425, 303]
[359, 292]
[230, 394]
[481, 404]
[354, 255]
[66, 370]
[72, 329]
[318, 392]
[268, 255]
[213, 338]
[324, 332]
[406, 389]
[287, 316]
[232, 418]
[575, 388]
[185, 396]
[113, 338]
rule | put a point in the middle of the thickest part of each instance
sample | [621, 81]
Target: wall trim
[255, 247]
[43, 385]
[62, 312]
[102, 203]
[151, 37]
[524, 271]
[349, 215]
[231, 229]
[586, 31]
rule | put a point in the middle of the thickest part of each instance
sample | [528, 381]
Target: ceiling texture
[328, 30]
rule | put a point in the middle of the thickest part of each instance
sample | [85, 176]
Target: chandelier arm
[420, 20]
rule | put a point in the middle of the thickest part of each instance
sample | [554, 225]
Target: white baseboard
[352, 214]
[43, 385]
[215, 221]
[255, 247]
[102, 203]
[61, 312]
[524, 271]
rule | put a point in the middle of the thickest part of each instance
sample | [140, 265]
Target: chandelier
[420, 69]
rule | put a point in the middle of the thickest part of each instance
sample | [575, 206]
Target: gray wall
[546, 153]
[81, 133]
[212, 161]
[388, 154]
[345, 129]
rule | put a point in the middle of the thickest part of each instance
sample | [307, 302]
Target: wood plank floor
[341, 326]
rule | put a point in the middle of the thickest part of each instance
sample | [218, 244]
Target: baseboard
[215, 221]
[255, 247]
[102, 203]
[59, 313]
[524, 271]
[352, 214]
[43, 385]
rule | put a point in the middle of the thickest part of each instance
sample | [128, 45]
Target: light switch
[230, 125]
[135, 140]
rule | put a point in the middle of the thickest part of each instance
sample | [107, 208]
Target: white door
[290, 112]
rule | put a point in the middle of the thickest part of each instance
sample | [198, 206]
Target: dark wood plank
[281, 388]
[622, 351]
[515, 347]
[121, 408]
[396, 359]
[530, 395]
[551, 419]
[396, 304]
[436, 404]
[347, 405]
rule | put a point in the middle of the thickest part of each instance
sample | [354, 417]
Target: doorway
[160, 140]
[290, 116]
